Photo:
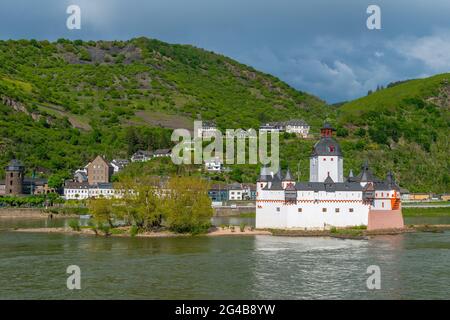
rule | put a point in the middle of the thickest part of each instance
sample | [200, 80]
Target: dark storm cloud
[318, 46]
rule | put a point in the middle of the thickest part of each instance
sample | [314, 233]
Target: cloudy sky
[319, 46]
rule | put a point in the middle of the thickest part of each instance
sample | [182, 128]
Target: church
[328, 199]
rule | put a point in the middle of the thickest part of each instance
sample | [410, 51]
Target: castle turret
[14, 178]
[326, 158]
[288, 180]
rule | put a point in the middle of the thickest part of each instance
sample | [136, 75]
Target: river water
[33, 266]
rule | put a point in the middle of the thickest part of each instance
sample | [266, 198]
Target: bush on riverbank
[74, 225]
[181, 205]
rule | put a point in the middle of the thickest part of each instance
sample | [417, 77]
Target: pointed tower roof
[288, 176]
[366, 174]
[328, 180]
[350, 174]
[264, 174]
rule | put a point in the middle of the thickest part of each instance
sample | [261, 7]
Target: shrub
[74, 225]
[105, 229]
[134, 230]
[242, 227]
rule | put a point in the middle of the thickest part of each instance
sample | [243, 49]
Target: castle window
[299, 209]
[382, 204]
[11, 175]
[278, 209]
[324, 209]
[350, 210]
[336, 210]
[324, 159]
[332, 159]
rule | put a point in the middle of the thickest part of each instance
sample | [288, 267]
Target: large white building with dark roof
[327, 199]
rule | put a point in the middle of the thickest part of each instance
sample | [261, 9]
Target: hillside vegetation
[62, 103]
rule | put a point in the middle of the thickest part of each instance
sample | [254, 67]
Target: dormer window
[331, 148]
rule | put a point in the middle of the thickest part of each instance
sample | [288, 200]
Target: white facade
[82, 193]
[320, 167]
[327, 200]
[300, 130]
[213, 165]
[235, 194]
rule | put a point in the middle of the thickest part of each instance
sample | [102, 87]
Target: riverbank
[125, 232]
[349, 233]
[32, 213]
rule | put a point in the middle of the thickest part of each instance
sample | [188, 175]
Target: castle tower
[263, 179]
[326, 158]
[14, 178]
[288, 180]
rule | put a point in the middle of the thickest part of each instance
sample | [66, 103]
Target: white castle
[327, 200]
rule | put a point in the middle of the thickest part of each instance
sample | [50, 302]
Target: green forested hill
[62, 103]
[405, 127]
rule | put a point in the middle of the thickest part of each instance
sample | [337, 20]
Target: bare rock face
[20, 107]
[17, 106]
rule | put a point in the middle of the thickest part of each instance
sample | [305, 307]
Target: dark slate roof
[276, 185]
[162, 151]
[321, 186]
[365, 175]
[296, 122]
[328, 180]
[105, 185]
[34, 181]
[14, 165]
[326, 146]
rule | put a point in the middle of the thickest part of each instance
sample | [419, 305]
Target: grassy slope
[83, 95]
[406, 128]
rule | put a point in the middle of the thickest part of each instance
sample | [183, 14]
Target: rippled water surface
[234, 267]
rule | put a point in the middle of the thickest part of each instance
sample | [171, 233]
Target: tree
[102, 210]
[187, 206]
[141, 202]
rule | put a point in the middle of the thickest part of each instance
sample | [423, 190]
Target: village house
[119, 164]
[16, 183]
[299, 127]
[99, 171]
[241, 191]
[80, 175]
[93, 181]
[162, 153]
[419, 197]
[80, 191]
[141, 156]
[218, 192]
[207, 130]
[213, 164]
